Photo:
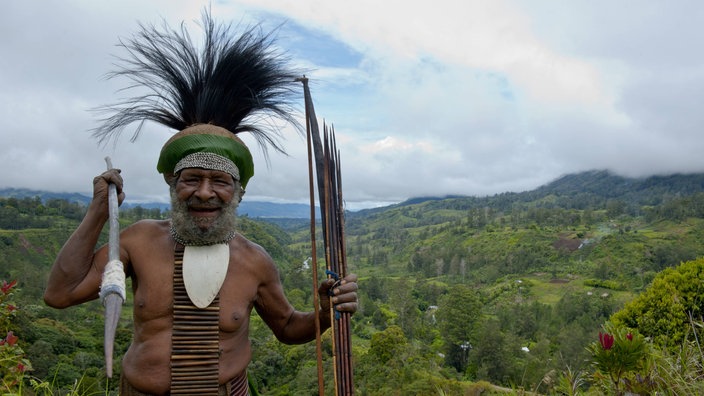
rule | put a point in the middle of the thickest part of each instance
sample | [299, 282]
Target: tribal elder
[194, 267]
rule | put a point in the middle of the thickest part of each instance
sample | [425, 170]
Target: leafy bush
[13, 364]
[618, 354]
[667, 308]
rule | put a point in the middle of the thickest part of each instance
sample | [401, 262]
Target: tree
[387, 344]
[664, 309]
[458, 314]
[43, 358]
[493, 357]
[406, 307]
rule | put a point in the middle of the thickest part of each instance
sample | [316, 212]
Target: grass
[546, 290]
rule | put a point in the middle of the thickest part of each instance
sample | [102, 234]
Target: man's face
[204, 204]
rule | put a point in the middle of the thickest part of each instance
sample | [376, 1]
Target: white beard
[189, 228]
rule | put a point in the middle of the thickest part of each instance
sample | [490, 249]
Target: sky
[426, 98]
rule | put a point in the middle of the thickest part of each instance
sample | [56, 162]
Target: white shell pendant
[204, 271]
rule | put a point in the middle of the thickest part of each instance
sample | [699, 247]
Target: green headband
[224, 146]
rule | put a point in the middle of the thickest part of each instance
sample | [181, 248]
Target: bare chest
[153, 291]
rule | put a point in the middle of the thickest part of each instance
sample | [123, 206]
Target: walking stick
[112, 289]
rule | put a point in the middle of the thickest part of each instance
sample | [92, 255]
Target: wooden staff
[314, 252]
[113, 287]
[332, 221]
[336, 258]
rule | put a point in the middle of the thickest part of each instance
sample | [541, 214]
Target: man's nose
[205, 190]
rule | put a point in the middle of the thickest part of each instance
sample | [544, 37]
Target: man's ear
[241, 191]
[170, 178]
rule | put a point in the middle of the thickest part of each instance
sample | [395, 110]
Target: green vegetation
[458, 296]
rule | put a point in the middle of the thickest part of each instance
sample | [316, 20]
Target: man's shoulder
[149, 226]
[242, 243]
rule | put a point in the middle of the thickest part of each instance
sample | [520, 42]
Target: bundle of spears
[327, 164]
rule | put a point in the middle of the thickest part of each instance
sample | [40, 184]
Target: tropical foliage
[458, 296]
[13, 362]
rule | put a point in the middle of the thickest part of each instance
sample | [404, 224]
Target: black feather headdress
[235, 82]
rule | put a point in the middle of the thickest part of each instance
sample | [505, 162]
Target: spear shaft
[336, 258]
[332, 221]
[112, 289]
[314, 260]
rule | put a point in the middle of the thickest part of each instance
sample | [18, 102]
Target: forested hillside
[458, 294]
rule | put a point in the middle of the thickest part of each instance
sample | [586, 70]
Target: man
[195, 279]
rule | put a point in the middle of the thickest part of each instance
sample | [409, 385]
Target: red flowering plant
[619, 354]
[13, 364]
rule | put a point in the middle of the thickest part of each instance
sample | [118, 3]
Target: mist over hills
[584, 189]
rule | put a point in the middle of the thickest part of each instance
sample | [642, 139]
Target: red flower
[21, 367]
[11, 307]
[606, 340]
[629, 336]
[11, 338]
[7, 286]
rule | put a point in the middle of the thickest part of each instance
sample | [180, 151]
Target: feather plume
[234, 81]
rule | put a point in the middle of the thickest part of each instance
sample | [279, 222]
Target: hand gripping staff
[112, 289]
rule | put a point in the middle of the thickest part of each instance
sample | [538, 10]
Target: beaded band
[206, 160]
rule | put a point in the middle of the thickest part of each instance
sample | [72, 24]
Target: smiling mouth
[200, 210]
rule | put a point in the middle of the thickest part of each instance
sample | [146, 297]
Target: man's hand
[342, 294]
[100, 186]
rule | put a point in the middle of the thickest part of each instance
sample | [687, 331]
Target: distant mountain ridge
[254, 209]
[597, 187]
[43, 195]
[609, 185]
[583, 190]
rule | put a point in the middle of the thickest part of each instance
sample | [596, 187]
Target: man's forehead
[204, 172]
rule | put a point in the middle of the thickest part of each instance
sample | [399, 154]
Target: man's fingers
[344, 298]
[347, 307]
[345, 287]
[102, 181]
[338, 288]
[343, 293]
[325, 286]
[113, 176]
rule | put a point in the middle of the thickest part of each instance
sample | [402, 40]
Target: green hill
[454, 290]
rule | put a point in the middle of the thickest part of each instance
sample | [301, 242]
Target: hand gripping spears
[112, 289]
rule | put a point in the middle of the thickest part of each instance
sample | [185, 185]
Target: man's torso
[150, 248]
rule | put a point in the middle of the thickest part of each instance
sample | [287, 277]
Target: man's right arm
[76, 274]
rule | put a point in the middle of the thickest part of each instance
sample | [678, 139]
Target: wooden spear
[112, 289]
[332, 221]
[314, 251]
[336, 258]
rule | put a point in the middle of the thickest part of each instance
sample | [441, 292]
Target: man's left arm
[296, 327]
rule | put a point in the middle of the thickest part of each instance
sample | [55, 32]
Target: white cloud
[429, 98]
